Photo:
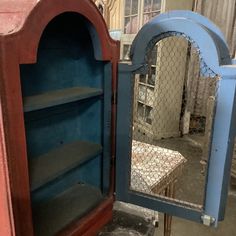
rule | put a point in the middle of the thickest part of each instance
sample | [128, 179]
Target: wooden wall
[223, 14]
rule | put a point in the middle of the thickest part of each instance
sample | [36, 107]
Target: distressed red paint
[22, 23]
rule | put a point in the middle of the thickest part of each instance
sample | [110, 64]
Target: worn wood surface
[223, 14]
[59, 97]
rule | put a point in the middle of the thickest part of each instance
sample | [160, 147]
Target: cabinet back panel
[65, 124]
[65, 58]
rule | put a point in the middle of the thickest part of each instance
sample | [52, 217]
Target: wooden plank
[59, 97]
[54, 215]
[51, 165]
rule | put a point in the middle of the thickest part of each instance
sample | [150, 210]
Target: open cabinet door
[175, 130]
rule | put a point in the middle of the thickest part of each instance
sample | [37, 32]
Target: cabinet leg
[167, 224]
[169, 192]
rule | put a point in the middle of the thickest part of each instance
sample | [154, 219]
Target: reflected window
[131, 16]
[151, 9]
[126, 52]
[139, 12]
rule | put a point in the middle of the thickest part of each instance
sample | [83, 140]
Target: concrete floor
[192, 178]
[128, 224]
[191, 148]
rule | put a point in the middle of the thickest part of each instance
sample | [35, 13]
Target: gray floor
[126, 224]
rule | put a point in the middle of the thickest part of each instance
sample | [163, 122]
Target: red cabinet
[58, 71]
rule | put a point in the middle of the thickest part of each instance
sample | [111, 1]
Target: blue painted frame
[215, 53]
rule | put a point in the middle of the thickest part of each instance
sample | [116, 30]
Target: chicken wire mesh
[173, 113]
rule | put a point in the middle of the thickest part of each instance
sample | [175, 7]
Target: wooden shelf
[144, 103]
[71, 205]
[51, 165]
[146, 84]
[59, 97]
[139, 101]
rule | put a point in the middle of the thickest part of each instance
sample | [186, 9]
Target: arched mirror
[173, 111]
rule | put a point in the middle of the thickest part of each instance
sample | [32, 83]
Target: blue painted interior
[69, 179]
[65, 60]
[51, 128]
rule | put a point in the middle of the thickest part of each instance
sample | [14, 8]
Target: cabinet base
[93, 222]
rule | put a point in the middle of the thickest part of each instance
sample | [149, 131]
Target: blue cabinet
[191, 117]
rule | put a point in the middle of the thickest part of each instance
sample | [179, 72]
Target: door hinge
[207, 220]
[114, 97]
[113, 160]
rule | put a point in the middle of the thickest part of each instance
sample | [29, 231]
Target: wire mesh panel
[173, 113]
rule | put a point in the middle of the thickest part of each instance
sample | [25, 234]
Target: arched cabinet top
[207, 37]
[197, 18]
[23, 22]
